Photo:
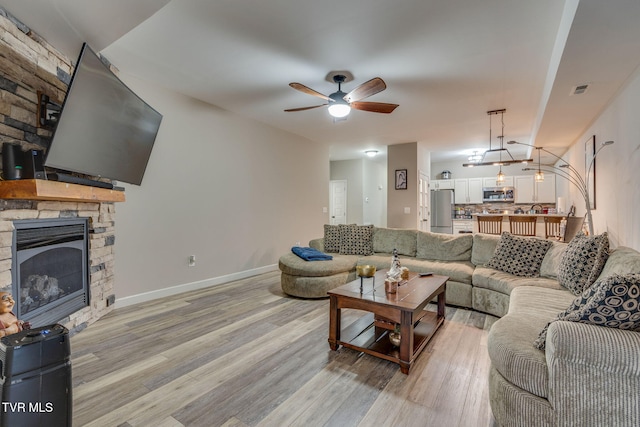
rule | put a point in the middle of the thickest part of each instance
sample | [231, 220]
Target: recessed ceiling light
[371, 153]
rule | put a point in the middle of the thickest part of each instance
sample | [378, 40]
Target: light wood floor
[244, 354]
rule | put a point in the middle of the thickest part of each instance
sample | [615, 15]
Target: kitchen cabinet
[546, 190]
[462, 226]
[530, 191]
[491, 182]
[468, 190]
[442, 184]
[524, 189]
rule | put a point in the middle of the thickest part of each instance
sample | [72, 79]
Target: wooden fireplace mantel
[39, 189]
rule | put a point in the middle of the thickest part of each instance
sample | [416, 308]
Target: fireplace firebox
[50, 269]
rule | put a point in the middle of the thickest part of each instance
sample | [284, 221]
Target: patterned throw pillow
[331, 238]
[582, 261]
[356, 239]
[520, 256]
[613, 302]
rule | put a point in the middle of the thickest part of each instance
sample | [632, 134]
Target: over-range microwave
[497, 194]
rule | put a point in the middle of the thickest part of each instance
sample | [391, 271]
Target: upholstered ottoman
[312, 279]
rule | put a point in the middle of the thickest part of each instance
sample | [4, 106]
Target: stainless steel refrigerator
[442, 206]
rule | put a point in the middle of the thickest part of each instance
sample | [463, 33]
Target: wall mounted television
[104, 129]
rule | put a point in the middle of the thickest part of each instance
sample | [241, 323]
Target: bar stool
[574, 225]
[522, 225]
[552, 226]
[490, 224]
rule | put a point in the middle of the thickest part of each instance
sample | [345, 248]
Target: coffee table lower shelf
[364, 336]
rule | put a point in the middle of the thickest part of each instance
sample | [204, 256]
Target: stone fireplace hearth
[101, 244]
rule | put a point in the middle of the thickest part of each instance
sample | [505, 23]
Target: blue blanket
[310, 254]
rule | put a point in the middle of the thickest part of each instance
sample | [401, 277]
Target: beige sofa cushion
[622, 260]
[551, 262]
[385, 240]
[444, 247]
[505, 283]
[293, 265]
[484, 245]
[511, 338]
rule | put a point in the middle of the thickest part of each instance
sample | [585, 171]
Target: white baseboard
[178, 289]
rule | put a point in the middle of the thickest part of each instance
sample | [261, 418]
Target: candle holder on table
[366, 271]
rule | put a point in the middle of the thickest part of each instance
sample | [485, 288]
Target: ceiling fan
[340, 103]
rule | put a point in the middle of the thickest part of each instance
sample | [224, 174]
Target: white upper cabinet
[442, 184]
[468, 190]
[475, 190]
[529, 191]
[546, 190]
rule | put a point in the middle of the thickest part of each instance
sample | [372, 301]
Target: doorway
[338, 202]
[424, 201]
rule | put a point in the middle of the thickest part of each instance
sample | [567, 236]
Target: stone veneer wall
[29, 64]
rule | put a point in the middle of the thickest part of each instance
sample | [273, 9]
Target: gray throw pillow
[356, 239]
[613, 302]
[331, 238]
[582, 261]
[520, 256]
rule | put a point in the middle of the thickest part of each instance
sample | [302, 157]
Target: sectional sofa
[584, 375]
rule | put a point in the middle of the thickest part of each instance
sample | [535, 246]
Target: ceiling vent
[580, 89]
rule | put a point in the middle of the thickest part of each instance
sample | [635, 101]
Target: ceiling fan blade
[375, 107]
[366, 89]
[304, 108]
[308, 90]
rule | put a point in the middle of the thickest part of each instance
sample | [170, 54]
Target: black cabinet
[36, 378]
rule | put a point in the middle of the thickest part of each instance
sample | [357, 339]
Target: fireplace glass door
[50, 269]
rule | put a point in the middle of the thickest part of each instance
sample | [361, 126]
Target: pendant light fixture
[482, 160]
[539, 175]
[500, 177]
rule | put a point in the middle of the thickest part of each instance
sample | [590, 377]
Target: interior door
[338, 202]
[424, 202]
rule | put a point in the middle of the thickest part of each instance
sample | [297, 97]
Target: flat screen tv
[104, 129]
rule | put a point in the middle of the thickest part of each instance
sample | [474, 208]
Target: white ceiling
[445, 62]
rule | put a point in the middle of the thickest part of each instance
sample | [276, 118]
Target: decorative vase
[394, 337]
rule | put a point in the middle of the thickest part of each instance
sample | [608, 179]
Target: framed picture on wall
[401, 179]
[590, 169]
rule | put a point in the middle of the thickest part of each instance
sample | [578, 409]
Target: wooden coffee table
[369, 334]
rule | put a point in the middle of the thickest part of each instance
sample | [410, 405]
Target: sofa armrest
[594, 374]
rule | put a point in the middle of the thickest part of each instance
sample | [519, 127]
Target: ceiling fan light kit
[340, 103]
[339, 109]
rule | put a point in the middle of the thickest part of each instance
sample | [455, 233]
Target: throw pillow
[520, 256]
[582, 261]
[356, 239]
[331, 238]
[613, 302]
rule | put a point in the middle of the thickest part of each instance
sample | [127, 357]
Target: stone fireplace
[99, 217]
[30, 65]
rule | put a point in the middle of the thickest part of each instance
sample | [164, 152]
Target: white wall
[617, 168]
[352, 172]
[374, 188]
[235, 193]
[366, 189]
